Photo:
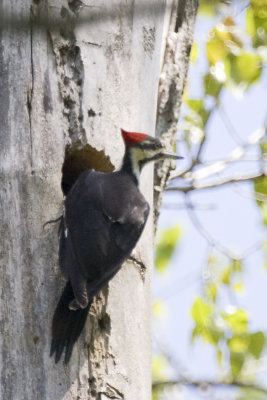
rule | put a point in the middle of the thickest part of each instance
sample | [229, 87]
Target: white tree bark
[64, 95]
[179, 34]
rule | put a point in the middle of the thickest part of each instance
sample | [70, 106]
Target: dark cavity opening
[80, 158]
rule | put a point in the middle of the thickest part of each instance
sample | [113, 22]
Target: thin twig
[180, 285]
[230, 127]
[253, 248]
[172, 358]
[214, 242]
[177, 206]
[210, 239]
[247, 194]
[206, 384]
[219, 183]
[238, 154]
[245, 158]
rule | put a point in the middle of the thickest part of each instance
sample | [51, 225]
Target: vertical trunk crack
[70, 71]
[30, 91]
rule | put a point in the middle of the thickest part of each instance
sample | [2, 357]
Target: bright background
[229, 216]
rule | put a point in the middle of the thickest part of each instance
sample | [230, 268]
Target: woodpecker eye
[151, 144]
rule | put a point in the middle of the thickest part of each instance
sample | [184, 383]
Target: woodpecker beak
[169, 155]
[166, 155]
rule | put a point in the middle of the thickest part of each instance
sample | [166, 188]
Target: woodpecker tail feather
[67, 325]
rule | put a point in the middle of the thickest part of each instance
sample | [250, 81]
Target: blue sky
[234, 220]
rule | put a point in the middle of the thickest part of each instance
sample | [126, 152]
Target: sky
[233, 218]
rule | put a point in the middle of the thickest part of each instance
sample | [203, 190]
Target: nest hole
[80, 158]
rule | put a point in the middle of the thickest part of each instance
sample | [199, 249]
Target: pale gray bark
[71, 90]
[179, 33]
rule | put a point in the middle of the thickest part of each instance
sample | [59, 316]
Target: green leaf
[200, 115]
[264, 212]
[247, 343]
[194, 52]
[159, 308]
[193, 120]
[211, 291]
[201, 311]
[263, 146]
[238, 287]
[256, 23]
[196, 332]
[237, 321]
[216, 48]
[264, 247]
[251, 394]
[159, 368]
[166, 247]
[156, 393]
[195, 104]
[227, 67]
[239, 343]
[192, 127]
[258, 4]
[250, 22]
[212, 86]
[205, 327]
[237, 265]
[226, 275]
[219, 356]
[256, 344]
[208, 8]
[246, 68]
[260, 187]
[224, 40]
[237, 361]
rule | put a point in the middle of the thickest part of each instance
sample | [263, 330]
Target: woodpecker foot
[75, 305]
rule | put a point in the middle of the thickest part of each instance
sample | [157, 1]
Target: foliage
[260, 186]
[235, 62]
[165, 247]
[250, 394]
[226, 329]
[232, 65]
[235, 58]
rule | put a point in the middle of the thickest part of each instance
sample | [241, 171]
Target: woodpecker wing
[104, 217]
[128, 210]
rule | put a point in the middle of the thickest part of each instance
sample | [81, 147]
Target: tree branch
[179, 39]
[247, 194]
[238, 154]
[219, 183]
[205, 384]
[229, 126]
[214, 242]
[210, 239]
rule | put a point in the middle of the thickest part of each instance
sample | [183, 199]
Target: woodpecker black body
[105, 214]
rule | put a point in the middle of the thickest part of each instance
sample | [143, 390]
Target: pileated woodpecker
[104, 216]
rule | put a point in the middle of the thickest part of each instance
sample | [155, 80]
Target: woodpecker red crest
[132, 138]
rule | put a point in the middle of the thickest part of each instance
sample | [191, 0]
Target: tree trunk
[175, 61]
[66, 89]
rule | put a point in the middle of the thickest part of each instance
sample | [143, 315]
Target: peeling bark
[175, 62]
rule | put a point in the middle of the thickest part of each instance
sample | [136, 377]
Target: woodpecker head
[141, 149]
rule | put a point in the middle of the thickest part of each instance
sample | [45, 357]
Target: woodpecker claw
[76, 305]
